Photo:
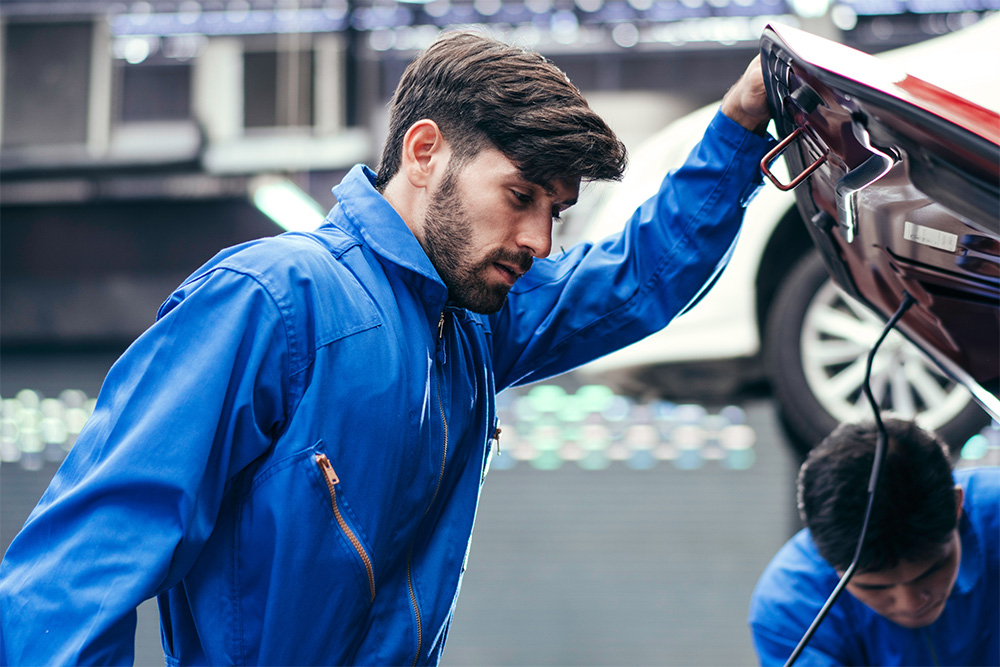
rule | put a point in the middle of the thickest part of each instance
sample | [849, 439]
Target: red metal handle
[778, 150]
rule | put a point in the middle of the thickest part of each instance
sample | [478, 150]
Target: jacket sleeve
[786, 599]
[186, 408]
[596, 298]
[773, 650]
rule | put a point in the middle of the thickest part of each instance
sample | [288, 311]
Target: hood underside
[898, 181]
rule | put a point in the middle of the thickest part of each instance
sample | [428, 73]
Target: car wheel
[816, 351]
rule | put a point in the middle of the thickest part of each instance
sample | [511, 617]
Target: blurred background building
[138, 138]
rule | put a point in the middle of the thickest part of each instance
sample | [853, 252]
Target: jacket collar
[365, 214]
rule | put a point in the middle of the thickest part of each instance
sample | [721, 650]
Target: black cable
[880, 451]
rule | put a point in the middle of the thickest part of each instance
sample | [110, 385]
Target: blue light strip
[369, 18]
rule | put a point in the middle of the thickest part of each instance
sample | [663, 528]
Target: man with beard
[291, 457]
[926, 590]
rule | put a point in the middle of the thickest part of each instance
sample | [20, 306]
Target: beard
[446, 240]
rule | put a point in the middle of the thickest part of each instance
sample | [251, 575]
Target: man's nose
[535, 235]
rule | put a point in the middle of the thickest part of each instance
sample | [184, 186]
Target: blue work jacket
[291, 457]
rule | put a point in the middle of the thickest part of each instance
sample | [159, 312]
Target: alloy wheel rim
[836, 336]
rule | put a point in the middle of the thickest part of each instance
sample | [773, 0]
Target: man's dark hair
[481, 91]
[914, 509]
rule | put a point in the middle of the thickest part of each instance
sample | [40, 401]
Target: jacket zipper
[444, 455]
[331, 483]
[439, 353]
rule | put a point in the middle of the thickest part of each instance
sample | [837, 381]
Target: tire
[817, 342]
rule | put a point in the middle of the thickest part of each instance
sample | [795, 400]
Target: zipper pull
[440, 341]
[496, 437]
[327, 468]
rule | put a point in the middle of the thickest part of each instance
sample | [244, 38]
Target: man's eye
[521, 197]
[556, 215]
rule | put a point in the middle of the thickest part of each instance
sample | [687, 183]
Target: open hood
[899, 182]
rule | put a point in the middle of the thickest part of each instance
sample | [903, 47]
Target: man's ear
[959, 499]
[424, 152]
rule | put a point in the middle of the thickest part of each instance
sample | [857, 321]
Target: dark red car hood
[903, 196]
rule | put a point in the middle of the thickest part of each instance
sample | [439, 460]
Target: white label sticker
[935, 238]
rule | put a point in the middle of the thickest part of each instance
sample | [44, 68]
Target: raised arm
[598, 297]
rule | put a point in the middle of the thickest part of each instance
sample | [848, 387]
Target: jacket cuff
[748, 147]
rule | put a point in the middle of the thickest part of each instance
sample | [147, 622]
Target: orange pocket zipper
[331, 483]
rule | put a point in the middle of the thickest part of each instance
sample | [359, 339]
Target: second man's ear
[424, 153]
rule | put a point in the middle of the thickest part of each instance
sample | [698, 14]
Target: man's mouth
[922, 613]
[509, 274]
